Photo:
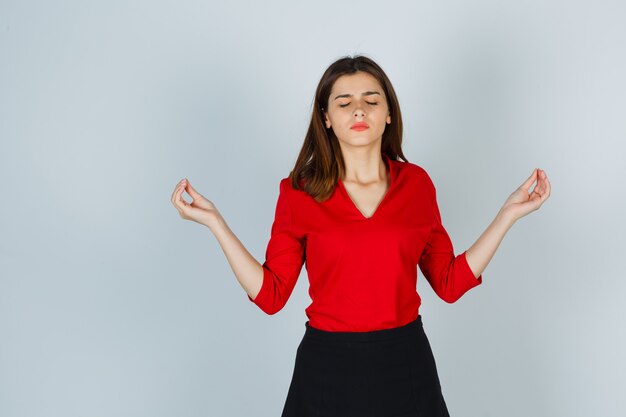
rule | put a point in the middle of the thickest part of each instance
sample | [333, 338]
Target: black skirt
[382, 373]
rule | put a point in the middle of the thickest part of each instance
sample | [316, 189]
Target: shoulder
[285, 183]
[415, 172]
[286, 186]
[286, 189]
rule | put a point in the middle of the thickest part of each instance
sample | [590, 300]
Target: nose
[359, 112]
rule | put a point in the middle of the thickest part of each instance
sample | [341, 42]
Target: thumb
[192, 191]
[526, 185]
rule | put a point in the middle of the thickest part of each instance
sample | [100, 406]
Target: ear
[326, 120]
[388, 118]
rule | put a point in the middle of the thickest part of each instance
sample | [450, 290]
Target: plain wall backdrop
[112, 305]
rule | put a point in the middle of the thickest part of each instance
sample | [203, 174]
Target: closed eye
[372, 104]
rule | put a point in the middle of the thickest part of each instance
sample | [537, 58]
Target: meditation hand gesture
[200, 210]
[520, 202]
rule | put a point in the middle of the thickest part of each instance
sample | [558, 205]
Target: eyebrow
[367, 93]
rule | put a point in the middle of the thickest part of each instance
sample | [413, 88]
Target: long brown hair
[320, 163]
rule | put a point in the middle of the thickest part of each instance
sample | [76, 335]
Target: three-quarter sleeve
[450, 276]
[284, 257]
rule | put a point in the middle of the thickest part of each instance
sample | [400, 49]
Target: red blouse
[362, 271]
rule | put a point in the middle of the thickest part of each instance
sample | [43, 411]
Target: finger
[540, 193]
[541, 186]
[172, 198]
[547, 184]
[177, 205]
[179, 201]
[544, 182]
[526, 185]
[192, 191]
[176, 192]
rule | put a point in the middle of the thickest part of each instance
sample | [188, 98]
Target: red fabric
[362, 271]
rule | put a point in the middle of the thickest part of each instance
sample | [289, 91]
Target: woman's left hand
[521, 202]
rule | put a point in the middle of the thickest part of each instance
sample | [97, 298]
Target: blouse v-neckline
[390, 174]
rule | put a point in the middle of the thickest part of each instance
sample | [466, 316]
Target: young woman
[362, 220]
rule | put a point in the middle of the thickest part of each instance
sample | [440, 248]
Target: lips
[359, 126]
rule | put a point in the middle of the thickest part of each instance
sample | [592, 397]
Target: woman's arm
[519, 204]
[248, 271]
[480, 253]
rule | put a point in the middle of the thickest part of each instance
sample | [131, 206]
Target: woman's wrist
[506, 216]
[215, 221]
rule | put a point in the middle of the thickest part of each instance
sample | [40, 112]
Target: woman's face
[356, 98]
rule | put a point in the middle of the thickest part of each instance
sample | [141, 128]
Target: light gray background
[111, 305]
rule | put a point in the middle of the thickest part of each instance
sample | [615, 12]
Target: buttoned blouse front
[362, 270]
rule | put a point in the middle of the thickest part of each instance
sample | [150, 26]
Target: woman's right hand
[200, 210]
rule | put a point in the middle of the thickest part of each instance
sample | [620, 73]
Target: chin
[359, 141]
